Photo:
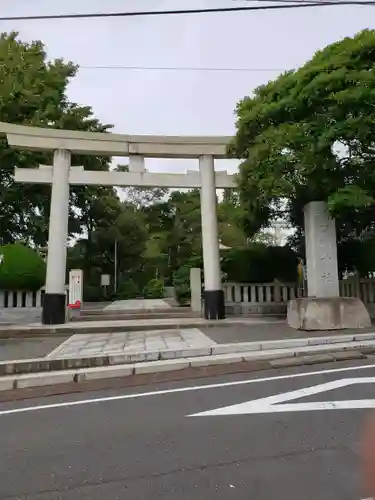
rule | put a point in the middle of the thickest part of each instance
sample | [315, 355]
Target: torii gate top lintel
[108, 144]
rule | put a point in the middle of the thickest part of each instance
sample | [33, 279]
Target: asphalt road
[141, 443]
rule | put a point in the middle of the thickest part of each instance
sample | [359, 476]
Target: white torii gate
[62, 174]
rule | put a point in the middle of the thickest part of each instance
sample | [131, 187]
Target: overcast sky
[178, 102]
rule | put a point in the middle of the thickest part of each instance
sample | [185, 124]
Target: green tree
[128, 232]
[259, 263]
[140, 196]
[175, 235]
[230, 219]
[310, 135]
[117, 228]
[174, 227]
[33, 92]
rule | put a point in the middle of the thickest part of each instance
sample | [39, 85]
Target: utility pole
[115, 276]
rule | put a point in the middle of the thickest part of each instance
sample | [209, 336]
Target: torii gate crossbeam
[62, 174]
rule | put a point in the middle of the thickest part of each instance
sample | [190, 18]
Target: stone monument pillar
[196, 289]
[324, 309]
[321, 251]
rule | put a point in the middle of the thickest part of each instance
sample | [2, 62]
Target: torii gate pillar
[214, 307]
[54, 300]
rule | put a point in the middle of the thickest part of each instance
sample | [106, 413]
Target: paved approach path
[138, 305]
[100, 344]
[142, 443]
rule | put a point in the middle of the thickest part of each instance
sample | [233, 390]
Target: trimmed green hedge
[21, 268]
[256, 263]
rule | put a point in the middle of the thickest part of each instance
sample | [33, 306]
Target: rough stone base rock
[333, 313]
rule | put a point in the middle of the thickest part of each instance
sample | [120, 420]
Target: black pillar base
[54, 309]
[214, 306]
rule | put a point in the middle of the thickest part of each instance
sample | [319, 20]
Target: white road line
[67, 404]
[280, 402]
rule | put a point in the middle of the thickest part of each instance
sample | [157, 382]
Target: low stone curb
[317, 358]
[252, 350]
[241, 361]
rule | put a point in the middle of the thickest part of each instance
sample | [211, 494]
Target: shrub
[154, 289]
[21, 268]
[183, 294]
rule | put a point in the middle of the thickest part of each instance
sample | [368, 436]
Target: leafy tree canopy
[310, 135]
[153, 232]
[33, 92]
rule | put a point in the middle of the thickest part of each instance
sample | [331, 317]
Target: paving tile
[181, 353]
[114, 348]
[91, 352]
[79, 342]
[117, 345]
[156, 344]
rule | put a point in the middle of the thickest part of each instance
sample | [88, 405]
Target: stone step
[121, 315]
[97, 312]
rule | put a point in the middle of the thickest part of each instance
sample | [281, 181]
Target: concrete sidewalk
[271, 330]
[54, 346]
[37, 344]
[153, 345]
[89, 344]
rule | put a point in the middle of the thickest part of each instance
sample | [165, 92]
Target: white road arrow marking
[274, 404]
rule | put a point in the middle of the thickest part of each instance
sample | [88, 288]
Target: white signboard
[280, 402]
[75, 286]
[105, 279]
